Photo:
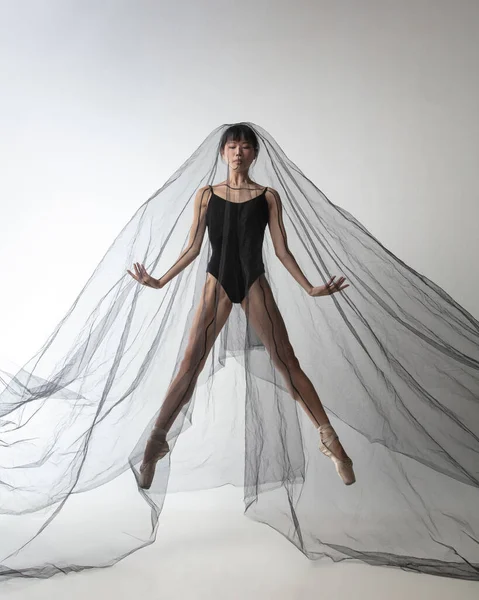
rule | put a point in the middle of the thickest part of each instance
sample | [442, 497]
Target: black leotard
[236, 233]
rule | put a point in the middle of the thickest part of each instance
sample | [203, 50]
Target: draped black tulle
[394, 359]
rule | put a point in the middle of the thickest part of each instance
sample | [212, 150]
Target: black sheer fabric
[394, 359]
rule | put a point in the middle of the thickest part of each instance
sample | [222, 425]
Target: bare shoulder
[202, 190]
[272, 192]
[203, 195]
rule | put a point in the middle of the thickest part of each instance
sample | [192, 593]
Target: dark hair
[238, 132]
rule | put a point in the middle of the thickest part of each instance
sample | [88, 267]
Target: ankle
[158, 432]
[325, 428]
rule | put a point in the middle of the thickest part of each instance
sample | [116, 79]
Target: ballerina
[236, 212]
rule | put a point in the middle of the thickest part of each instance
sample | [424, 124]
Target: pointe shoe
[156, 448]
[343, 467]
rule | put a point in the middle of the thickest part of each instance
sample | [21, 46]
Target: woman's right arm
[195, 241]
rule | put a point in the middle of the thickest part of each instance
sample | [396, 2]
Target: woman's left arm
[280, 243]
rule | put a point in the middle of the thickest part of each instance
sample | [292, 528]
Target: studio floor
[207, 549]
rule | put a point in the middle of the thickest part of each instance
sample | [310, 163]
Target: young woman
[236, 213]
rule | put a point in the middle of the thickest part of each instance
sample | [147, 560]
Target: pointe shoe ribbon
[343, 467]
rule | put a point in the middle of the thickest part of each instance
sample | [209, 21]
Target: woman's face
[238, 155]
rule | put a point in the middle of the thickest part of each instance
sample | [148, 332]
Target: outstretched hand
[142, 276]
[329, 288]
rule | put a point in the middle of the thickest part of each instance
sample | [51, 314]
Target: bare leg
[211, 315]
[265, 317]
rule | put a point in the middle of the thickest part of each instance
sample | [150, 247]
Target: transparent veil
[394, 359]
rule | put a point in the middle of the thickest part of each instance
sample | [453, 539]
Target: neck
[238, 179]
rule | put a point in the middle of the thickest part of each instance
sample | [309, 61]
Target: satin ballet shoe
[156, 448]
[343, 467]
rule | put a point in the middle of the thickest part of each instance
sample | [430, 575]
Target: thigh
[210, 317]
[263, 314]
